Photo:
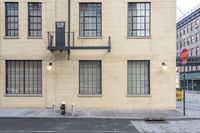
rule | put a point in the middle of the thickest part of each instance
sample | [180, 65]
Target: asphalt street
[49, 125]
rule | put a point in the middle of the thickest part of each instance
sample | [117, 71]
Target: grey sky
[185, 6]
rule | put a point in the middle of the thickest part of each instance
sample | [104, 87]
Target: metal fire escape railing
[72, 46]
[53, 44]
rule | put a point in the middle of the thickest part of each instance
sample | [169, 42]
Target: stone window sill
[90, 95]
[145, 37]
[139, 95]
[23, 95]
[11, 37]
[34, 37]
[90, 37]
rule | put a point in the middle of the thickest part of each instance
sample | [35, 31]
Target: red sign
[184, 56]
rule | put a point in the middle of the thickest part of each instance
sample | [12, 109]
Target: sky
[185, 6]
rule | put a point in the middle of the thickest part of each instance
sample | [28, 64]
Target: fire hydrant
[62, 107]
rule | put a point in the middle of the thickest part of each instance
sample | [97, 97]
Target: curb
[122, 118]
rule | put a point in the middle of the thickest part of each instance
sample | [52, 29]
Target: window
[185, 42]
[192, 52]
[197, 51]
[177, 35]
[139, 19]
[197, 22]
[138, 77]
[90, 78]
[34, 19]
[197, 37]
[188, 40]
[23, 77]
[192, 40]
[181, 32]
[192, 26]
[11, 20]
[184, 31]
[180, 44]
[90, 23]
[177, 45]
[188, 28]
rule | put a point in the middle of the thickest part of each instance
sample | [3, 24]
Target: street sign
[184, 62]
[184, 56]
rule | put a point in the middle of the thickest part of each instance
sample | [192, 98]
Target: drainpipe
[69, 25]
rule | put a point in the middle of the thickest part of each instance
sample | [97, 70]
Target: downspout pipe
[69, 27]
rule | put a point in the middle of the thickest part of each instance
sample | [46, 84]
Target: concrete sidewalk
[192, 112]
[91, 113]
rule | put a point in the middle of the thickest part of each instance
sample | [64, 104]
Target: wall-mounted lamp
[164, 66]
[50, 67]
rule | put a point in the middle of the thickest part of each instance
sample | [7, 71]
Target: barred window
[90, 23]
[34, 19]
[23, 77]
[138, 77]
[11, 20]
[90, 78]
[139, 19]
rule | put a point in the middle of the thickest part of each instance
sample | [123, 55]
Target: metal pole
[184, 93]
[192, 85]
[69, 26]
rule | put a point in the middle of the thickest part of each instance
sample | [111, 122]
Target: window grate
[138, 77]
[23, 77]
[139, 19]
[90, 78]
[34, 19]
[11, 20]
[90, 23]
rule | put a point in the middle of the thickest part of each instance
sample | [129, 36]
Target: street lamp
[50, 67]
[164, 66]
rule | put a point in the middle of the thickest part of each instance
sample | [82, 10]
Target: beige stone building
[112, 58]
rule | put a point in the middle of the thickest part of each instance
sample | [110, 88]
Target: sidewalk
[110, 114]
[192, 112]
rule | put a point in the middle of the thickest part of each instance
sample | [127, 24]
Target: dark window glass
[11, 20]
[192, 52]
[23, 77]
[90, 78]
[34, 19]
[138, 77]
[180, 44]
[139, 19]
[90, 23]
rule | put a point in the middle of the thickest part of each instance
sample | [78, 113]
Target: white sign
[177, 80]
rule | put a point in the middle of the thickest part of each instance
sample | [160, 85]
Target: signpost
[184, 57]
